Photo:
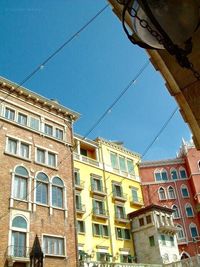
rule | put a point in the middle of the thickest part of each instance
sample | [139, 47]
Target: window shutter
[98, 256]
[121, 258]
[101, 229]
[114, 189]
[123, 233]
[101, 185]
[78, 178]
[92, 183]
[124, 212]
[93, 205]
[93, 229]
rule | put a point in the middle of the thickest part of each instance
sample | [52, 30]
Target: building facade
[154, 235]
[174, 183]
[107, 189]
[36, 197]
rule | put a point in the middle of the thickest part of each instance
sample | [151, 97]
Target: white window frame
[58, 237]
[183, 186]
[46, 152]
[180, 169]
[193, 225]
[177, 208]
[188, 205]
[19, 142]
[177, 174]
[164, 193]
[11, 109]
[168, 193]
[179, 226]
[160, 171]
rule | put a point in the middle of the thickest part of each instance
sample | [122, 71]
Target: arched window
[189, 210]
[176, 213]
[161, 193]
[57, 192]
[184, 191]
[193, 230]
[171, 193]
[161, 175]
[42, 181]
[18, 238]
[20, 183]
[182, 172]
[174, 175]
[180, 233]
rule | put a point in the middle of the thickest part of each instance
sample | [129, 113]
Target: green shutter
[121, 258]
[115, 207]
[101, 185]
[93, 205]
[93, 229]
[123, 233]
[98, 256]
[92, 183]
[114, 189]
[124, 212]
[77, 179]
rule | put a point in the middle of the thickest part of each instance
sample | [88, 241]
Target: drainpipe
[74, 199]
[109, 223]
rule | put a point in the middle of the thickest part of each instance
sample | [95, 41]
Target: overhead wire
[71, 38]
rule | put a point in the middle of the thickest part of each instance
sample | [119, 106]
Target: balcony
[18, 253]
[98, 190]
[136, 201]
[80, 209]
[122, 218]
[79, 185]
[167, 229]
[100, 213]
[120, 196]
[86, 159]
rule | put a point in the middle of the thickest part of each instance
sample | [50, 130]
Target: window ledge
[41, 204]
[53, 255]
[58, 208]
[17, 156]
[45, 165]
[19, 199]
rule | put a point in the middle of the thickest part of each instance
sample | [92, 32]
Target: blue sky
[90, 72]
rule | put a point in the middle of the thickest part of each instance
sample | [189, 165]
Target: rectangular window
[24, 150]
[114, 161]
[105, 231]
[97, 184]
[119, 233]
[81, 226]
[20, 188]
[22, 119]
[130, 166]
[127, 234]
[122, 164]
[16, 147]
[117, 190]
[12, 146]
[10, 114]
[40, 155]
[51, 159]
[152, 241]
[99, 207]
[134, 192]
[59, 134]
[77, 178]
[41, 192]
[141, 221]
[96, 229]
[163, 241]
[83, 152]
[53, 246]
[34, 123]
[172, 241]
[148, 219]
[120, 212]
[48, 129]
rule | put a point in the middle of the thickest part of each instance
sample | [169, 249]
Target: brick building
[36, 185]
[174, 183]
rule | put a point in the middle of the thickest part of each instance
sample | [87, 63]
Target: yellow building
[107, 186]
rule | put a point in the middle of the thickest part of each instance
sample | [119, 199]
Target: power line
[117, 99]
[159, 132]
[40, 66]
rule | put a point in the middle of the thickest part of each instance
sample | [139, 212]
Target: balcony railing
[101, 213]
[80, 208]
[121, 217]
[79, 184]
[112, 264]
[18, 252]
[86, 159]
[120, 196]
[136, 201]
[98, 190]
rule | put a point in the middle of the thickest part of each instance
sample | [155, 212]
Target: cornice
[158, 163]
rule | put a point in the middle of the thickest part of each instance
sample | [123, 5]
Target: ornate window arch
[161, 193]
[57, 192]
[184, 191]
[193, 230]
[160, 175]
[20, 183]
[176, 213]
[42, 186]
[174, 174]
[189, 210]
[19, 231]
[182, 173]
[171, 192]
[180, 234]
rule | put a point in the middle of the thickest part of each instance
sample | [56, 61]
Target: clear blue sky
[89, 73]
